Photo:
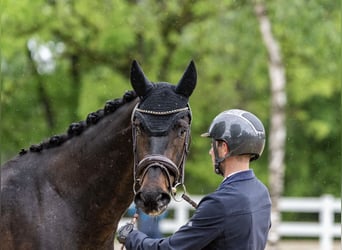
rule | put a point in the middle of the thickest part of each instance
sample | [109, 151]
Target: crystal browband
[151, 112]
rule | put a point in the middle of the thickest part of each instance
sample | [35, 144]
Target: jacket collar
[240, 176]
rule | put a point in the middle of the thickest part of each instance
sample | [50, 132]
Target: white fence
[326, 229]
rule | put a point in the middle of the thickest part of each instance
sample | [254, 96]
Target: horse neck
[95, 169]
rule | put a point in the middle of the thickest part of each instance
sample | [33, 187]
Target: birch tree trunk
[277, 133]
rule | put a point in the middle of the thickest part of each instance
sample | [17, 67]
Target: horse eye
[181, 128]
[138, 127]
[182, 132]
[137, 130]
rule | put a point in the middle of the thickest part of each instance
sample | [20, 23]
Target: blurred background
[62, 59]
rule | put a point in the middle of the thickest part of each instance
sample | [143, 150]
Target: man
[237, 214]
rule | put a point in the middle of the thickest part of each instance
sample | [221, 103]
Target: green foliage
[93, 43]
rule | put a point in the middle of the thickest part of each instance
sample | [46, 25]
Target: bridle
[170, 168]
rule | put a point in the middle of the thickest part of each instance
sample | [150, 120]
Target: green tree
[94, 42]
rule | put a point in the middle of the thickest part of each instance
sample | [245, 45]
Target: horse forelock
[76, 128]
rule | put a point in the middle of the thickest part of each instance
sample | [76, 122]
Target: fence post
[326, 217]
[181, 214]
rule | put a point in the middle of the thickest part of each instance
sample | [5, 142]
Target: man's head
[242, 131]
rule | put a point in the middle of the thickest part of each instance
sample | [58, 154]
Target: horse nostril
[164, 197]
[139, 197]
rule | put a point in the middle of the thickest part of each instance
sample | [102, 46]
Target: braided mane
[77, 128]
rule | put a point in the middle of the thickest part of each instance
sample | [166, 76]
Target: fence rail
[326, 229]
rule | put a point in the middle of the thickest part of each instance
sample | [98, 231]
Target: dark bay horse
[70, 191]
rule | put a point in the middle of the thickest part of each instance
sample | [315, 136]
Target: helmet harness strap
[219, 160]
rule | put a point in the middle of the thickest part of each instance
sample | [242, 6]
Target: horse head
[161, 134]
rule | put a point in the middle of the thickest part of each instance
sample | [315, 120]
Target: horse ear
[188, 81]
[139, 82]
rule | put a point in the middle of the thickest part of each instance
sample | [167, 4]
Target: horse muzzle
[151, 197]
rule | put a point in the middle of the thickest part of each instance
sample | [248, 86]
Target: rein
[141, 167]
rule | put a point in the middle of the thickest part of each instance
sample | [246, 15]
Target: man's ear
[225, 148]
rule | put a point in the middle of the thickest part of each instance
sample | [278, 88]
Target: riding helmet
[241, 130]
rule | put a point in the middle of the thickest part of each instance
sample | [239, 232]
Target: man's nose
[211, 150]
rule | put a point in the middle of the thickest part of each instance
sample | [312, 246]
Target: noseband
[156, 160]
